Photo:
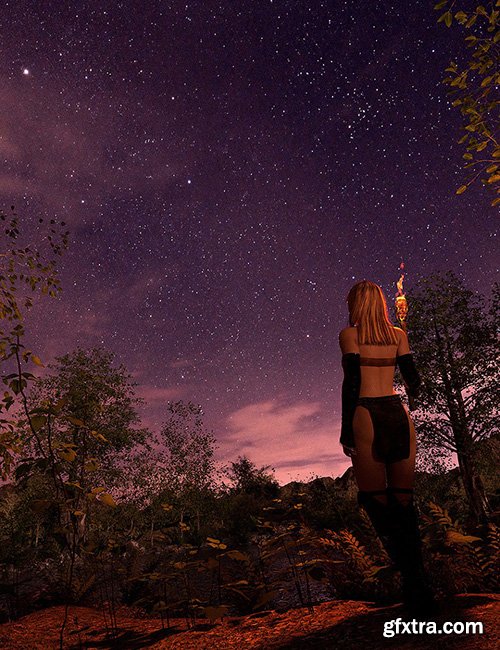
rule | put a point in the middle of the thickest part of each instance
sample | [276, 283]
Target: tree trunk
[474, 489]
[478, 501]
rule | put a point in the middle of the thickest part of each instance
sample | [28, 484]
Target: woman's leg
[368, 470]
[402, 473]
[405, 533]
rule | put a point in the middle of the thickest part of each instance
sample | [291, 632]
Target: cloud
[156, 396]
[62, 146]
[287, 437]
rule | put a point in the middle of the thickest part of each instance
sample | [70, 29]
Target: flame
[401, 304]
[399, 283]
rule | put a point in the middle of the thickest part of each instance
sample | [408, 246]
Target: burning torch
[401, 313]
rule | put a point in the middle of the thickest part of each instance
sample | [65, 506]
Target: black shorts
[391, 439]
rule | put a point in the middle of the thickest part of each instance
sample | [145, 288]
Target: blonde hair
[368, 309]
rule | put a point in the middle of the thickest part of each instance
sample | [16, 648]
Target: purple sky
[227, 171]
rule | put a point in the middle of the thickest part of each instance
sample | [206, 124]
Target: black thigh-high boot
[380, 517]
[417, 592]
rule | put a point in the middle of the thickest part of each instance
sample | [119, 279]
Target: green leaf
[467, 156]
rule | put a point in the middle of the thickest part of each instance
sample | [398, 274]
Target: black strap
[406, 365]
[350, 394]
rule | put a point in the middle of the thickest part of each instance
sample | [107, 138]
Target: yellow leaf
[213, 613]
[38, 421]
[238, 555]
[454, 537]
[37, 360]
[99, 436]
[461, 189]
[76, 421]
[92, 465]
[107, 499]
[67, 454]
[74, 484]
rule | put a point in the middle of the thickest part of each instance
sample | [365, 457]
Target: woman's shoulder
[348, 340]
[400, 333]
[348, 333]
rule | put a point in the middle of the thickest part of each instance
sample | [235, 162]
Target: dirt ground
[335, 624]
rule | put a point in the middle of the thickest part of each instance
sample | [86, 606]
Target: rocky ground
[335, 624]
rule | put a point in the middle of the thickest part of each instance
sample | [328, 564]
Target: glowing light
[401, 304]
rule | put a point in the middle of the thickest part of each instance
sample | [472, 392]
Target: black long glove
[350, 394]
[410, 374]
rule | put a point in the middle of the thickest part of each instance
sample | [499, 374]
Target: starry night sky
[227, 170]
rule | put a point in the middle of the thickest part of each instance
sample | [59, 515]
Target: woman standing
[379, 436]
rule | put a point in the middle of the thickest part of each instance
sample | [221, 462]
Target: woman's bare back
[376, 380]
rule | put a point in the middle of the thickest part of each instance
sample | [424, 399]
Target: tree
[18, 266]
[474, 88]
[455, 341]
[247, 478]
[99, 407]
[188, 467]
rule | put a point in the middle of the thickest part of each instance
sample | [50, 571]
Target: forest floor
[336, 624]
